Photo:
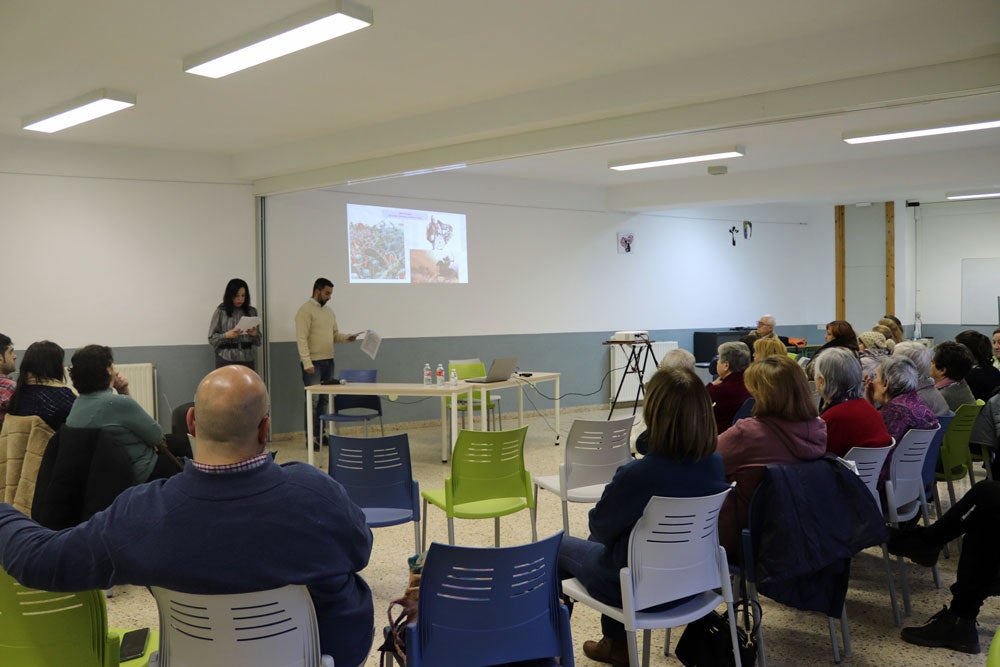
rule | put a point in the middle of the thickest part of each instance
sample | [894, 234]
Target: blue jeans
[322, 370]
[575, 561]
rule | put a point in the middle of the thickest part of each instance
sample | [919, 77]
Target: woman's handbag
[706, 642]
[395, 632]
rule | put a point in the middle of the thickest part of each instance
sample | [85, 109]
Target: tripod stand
[640, 352]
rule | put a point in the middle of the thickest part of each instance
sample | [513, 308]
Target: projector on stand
[630, 335]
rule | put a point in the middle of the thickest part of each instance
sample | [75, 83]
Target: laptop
[500, 371]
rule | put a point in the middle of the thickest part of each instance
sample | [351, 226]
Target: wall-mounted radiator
[141, 384]
[619, 355]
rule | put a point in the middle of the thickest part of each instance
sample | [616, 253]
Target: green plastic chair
[41, 629]
[956, 459]
[993, 660]
[474, 369]
[488, 480]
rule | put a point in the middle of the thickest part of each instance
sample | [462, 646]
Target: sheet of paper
[246, 323]
[371, 343]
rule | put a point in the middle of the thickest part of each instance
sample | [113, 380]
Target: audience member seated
[921, 357]
[950, 364]
[851, 421]
[233, 522]
[727, 391]
[7, 358]
[785, 428]
[681, 462]
[872, 348]
[983, 379]
[894, 391]
[678, 358]
[973, 516]
[884, 330]
[768, 347]
[94, 376]
[894, 327]
[996, 349]
[40, 390]
[839, 333]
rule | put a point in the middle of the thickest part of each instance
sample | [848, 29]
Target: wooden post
[890, 258]
[841, 296]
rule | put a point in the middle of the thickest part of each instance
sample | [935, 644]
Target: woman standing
[233, 345]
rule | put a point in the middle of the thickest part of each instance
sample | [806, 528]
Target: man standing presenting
[233, 521]
[7, 358]
[316, 332]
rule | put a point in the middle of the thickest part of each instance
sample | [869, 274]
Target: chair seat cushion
[582, 494]
[341, 417]
[479, 509]
[681, 613]
[377, 517]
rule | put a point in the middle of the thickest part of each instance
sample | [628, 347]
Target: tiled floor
[792, 637]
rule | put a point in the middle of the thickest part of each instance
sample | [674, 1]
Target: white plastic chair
[904, 493]
[869, 462]
[594, 451]
[275, 628]
[674, 552]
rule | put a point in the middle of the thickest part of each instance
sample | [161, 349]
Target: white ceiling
[551, 89]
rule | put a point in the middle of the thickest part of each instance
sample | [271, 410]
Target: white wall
[106, 257]
[542, 259]
[947, 233]
[864, 264]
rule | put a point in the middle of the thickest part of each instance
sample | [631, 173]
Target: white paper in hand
[371, 343]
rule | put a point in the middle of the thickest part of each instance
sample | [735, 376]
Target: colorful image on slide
[427, 266]
[377, 252]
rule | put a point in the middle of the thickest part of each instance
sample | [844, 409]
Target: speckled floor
[791, 637]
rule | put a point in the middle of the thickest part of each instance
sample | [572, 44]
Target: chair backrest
[745, 409]
[485, 606]
[375, 472]
[955, 442]
[907, 463]
[595, 450]
[674, 549]
[347, 401]
[931, 459]
[39, 629]
[870, 461]
[467, 369]
[275, 628]
[489, 464]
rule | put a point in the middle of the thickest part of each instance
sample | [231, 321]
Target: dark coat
[82, 472]
[807, 520]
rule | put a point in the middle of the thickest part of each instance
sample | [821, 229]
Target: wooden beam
[890, 258]
[841, 294]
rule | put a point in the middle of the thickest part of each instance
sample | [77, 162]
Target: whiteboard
[981, 291]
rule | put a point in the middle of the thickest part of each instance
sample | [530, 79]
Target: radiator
[619, 355]
[141, 384]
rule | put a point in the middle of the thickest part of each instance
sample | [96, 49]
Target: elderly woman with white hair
[851, 421]
[920, 355]
[894, 392]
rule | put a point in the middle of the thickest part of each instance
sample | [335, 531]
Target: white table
[468, 389]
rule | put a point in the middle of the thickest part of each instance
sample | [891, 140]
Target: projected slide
[399, 245]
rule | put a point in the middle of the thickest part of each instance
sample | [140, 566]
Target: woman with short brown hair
[768, 347]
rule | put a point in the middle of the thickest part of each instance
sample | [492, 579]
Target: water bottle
[440, 375]
[454, 377]
[427, 374]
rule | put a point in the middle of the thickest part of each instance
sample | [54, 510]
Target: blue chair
[363, 408]
[745, 410]
[930, 463]
[378, 477]
[489, 606]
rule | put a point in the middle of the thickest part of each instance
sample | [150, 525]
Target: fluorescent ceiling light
[628, 165]
[854, 138]
[989, 193]
[301, 30]
[86, 107]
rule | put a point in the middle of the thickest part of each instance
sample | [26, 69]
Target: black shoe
[913, 544]
[945, 630]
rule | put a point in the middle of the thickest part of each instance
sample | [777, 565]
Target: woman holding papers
[234, 331]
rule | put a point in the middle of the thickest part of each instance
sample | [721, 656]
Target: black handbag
[706, 641]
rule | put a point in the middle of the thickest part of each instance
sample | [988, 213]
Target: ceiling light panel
[686, 158]
[80, 110]
[893, 135]
[986, 193]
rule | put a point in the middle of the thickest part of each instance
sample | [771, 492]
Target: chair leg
[366, 427]
[666, 644]
[833, 640]
[951, 492]
[892, 587]
[633, 649]
[533, 511]
[731, 614]
[752, 594]
[645, 647]
[565, 511]
[939, 512]
[927, 522]
[381, 426]
[904, 587]
[423, 542]
[451, 531]
[416, 536]
[845, 632]
[496, 531]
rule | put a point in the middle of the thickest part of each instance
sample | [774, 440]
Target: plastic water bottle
[454, 377]
[440, 375]
[427, 374]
